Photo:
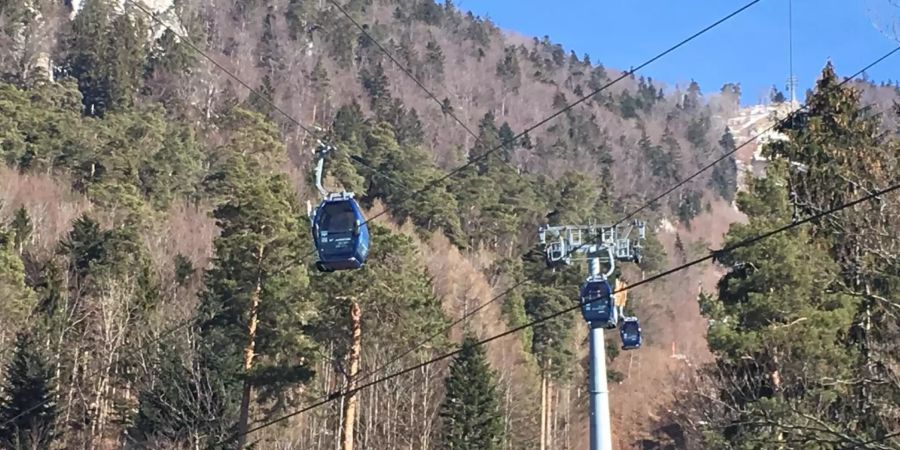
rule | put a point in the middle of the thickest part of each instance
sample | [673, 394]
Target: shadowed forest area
[157, 286]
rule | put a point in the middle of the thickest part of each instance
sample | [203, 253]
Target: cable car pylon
[600, 245]
[338, 226]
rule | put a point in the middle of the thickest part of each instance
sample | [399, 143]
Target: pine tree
[268, 51]
[470, 414]
[509, 71]
[255, 307]
[776, 96]
[506, 137]
[434, 60]
[124, 62]
[551, 341]
[777, 328]
[177, 409]
[184, 269]
[846, 155]
[488, 140]
[88, 46]
[724, 174]
[106, 54]
[21, 227]
[27, 405]
[16, 298]
[806, 306]
[394, 292]
[263, 101]
[169, 55]
[376, 84]
[692, 98]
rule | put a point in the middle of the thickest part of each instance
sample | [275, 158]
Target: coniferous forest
[157, 278]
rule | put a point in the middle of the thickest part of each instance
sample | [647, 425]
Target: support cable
[568, 107]
[193, 320]
[627, 217]
[713, 256]
[779, 123]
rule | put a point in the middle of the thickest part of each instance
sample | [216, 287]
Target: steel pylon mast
[599, 245]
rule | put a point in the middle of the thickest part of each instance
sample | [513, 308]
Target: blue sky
[751, 48]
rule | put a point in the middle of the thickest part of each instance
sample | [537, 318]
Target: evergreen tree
[21, 227]
[320, 83]
[488, 140]
[509, 71]
[264, 99]
[184, 269]
[407, 125]
[551, 341]
[255, 307]
[177, 409]
[27, 401]
[841, 153]
[16, 298]
[724, 174]
[169, 56]
[506, 137]
[376, 84]
[773, 307]
[268, 51]
[776, 96]
[692, 98]
[106, 54]
[803, 307]
[319, 77]
[470, 414]
[599, 78]
[124, 62]
[628, 106]
[87, 48]
[429, 12]
[395, 295]
[296, 15]
[434, 60]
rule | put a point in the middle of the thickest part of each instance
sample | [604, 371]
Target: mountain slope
[156, 142]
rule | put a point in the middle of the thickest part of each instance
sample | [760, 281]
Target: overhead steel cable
[403, 68]
[506, 291]
[503, 144]
[184, 39]
[478, 158]
[436, 182]
[786, 119]
[275, 107]
[568, 107]
[713, 255]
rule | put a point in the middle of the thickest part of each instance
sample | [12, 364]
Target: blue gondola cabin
[597, 304]
[630, 332]
[340, 234]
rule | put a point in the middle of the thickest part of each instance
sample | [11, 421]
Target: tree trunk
[507, 413]
[249, 351]
[353, 370]
[568, 416]
[543, 410]
[551, 416]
